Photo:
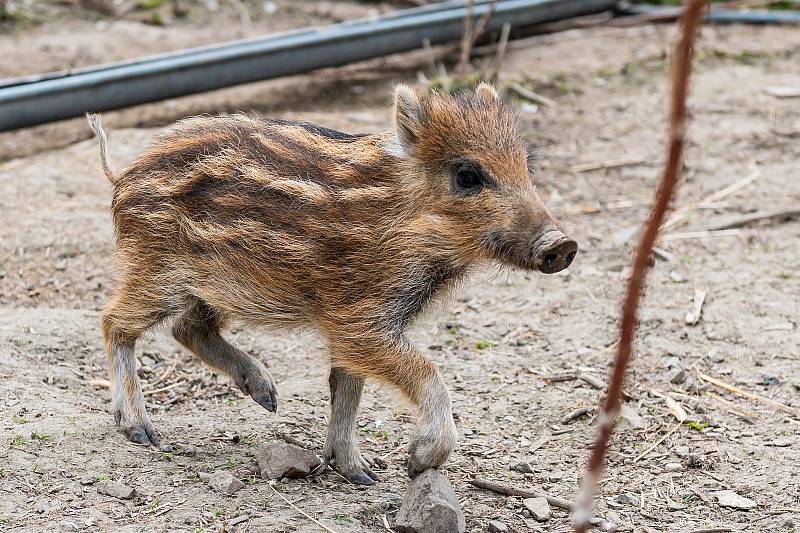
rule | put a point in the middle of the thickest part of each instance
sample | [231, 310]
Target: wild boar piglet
[272, 222]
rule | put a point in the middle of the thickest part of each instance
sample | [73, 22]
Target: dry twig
[471, 35]
[680, 236]
[525, 493]
[772, 214]
[656, 443]
[296, 508]
[611, 163]
[494, 71]
[748, 416]
[750, 395]
[681, 214]
[682, 63]
[528, 94]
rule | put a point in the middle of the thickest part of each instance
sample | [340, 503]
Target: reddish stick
[681, 67]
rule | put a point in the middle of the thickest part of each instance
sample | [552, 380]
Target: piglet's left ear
[409, 117]
[486, 91]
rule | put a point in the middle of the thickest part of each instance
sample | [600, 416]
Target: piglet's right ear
[408, 118]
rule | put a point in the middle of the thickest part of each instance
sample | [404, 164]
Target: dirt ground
[510, 345]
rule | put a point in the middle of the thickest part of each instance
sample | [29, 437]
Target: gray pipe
[719, 16]
[39, 99]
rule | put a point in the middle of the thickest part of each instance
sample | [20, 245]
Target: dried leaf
[676, 409]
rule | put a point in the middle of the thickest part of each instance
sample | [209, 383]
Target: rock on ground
[539, 508]
[629, 418]
[495, 526]
[224, 482]
[430, 506]
[115, 489]
[728, 498]
[280, 459]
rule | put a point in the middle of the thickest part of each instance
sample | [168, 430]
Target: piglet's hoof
[428, 452]
[430, 506]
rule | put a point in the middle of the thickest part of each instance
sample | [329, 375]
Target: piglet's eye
[468, 179]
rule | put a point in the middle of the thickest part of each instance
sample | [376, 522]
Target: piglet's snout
[554, 251]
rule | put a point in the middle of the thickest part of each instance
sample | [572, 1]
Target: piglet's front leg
[392, 359]
[436, 433]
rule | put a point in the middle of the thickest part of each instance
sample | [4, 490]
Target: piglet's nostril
[558, 257]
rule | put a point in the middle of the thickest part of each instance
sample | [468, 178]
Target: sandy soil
[500, 341]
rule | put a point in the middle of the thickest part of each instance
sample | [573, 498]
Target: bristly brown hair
[289, 223]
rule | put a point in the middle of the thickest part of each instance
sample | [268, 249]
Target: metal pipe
[718, 16]
[37, 100]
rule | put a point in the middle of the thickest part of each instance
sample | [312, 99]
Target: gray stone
[204, 476]
[115, 489]
[728, 498]
[676, 276]
[224, 482]
[629, 418]
[89, 478]
[46, 505]
[430, 506]
[626, 498]
[495, 526]
[524, 467]
[678, 376]
[280, 459]
[188, 450]
[681, 451]
[555, 476]
[539, 508]
[675, 506]
[673, 467]
[67, 526]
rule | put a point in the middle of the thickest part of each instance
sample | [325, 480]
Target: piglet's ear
[408, 118]
[486, 91]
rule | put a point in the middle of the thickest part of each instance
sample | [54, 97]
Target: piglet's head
[469, 150]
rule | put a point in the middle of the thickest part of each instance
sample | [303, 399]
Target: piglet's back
[279, 207]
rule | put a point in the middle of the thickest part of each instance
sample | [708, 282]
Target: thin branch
[681, 65]
[749, 395]
[296, 508]
[561, 503]
[471, 35]
[466, 40]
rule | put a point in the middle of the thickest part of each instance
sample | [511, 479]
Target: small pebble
[539, 508]
[278, 459]
[629, 418]
[67, 526]
[626, 498]
[681, 451]
[115, 489]
[728, 498]
[89, 478]
[495, 526]
[673, 467]
[676, 276]
[674, 506]
[678, 376]
[224, 482]
[524, 467]
[188, 450]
